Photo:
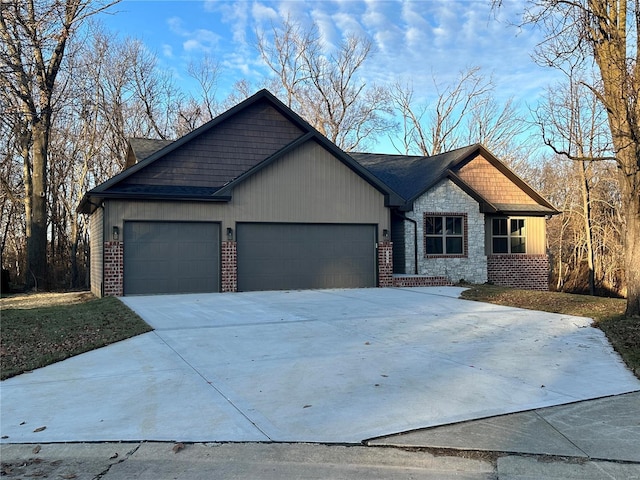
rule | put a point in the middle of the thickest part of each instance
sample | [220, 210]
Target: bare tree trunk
[588, 233]
[37, 241]
[631, 206]
[74, 252]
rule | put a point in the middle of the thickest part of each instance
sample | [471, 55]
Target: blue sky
[414, 41]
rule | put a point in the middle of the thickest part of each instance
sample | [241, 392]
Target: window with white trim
[508, 235]
[444, 234]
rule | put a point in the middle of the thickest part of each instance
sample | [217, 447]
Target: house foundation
[530, 272]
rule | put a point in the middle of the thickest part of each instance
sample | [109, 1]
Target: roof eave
[88, 203]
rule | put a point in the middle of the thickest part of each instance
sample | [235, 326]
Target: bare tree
[605, 31]
[34, 37]
[197, 111]
[324, 86]
[574, 126]
[459, 114]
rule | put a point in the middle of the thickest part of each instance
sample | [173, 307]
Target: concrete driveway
[335, 366]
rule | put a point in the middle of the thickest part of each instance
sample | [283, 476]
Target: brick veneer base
[113, 269]
[519, 271]
[385, 264]
[229, 267]
[420, 281]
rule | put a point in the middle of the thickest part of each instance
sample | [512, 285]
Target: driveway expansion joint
[214, 387]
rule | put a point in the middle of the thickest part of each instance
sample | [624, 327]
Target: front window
[508, 235]
[444, 234]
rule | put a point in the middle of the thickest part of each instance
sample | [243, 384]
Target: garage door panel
[171, 257]
[299, 256]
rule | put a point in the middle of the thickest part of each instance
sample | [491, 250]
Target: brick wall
[229, 267]
[113, 270]
[385, 264]
[519, 271]
[420, 281]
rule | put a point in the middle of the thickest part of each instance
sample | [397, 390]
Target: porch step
[420, 281]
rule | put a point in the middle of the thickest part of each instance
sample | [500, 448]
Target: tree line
[72, 93]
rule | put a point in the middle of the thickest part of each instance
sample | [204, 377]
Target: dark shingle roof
[148, 155]
[145, 147]
[410, 175]
[163, 190]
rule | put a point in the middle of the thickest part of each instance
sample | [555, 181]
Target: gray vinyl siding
[308, 185]
[96, 239]
[223, 153]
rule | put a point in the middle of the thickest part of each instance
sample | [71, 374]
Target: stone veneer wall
[113, 269]
[385, 264]
[519, 271]
[447, 197]
[229, 267]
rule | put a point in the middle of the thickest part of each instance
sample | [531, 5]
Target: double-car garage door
[181, 257]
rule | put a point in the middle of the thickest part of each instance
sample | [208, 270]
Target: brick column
[113, 269]
[229, 267]
[385, 264]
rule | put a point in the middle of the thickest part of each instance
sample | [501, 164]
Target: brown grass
[40, 329]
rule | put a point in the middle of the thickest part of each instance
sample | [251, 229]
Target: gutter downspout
[104, 221]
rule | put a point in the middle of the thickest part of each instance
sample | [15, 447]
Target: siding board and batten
[96, 228]
[535, 234]
[300, 187]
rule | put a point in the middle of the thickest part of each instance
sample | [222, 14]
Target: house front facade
[465, 217]
[254, 200]
[257, 199]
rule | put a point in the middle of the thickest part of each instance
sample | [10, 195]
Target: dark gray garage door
[171, 257]
[303, 256]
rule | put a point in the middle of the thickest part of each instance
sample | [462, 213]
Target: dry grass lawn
[43, 328]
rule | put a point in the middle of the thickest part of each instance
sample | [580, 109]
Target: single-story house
[257, 199]
[466, 217]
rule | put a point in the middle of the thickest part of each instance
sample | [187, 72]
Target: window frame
[463, 236]
[509, 235]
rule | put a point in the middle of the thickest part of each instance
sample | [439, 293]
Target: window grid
[445, 233]
[508, 235]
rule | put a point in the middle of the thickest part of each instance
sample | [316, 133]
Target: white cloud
[201, 40]
[175, 25]
[414, 40]
[347, 23]
[327, 30]
[167, 50]
[262, 13]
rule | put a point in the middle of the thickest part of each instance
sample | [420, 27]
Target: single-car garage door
[284, 256]
[171, 257]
